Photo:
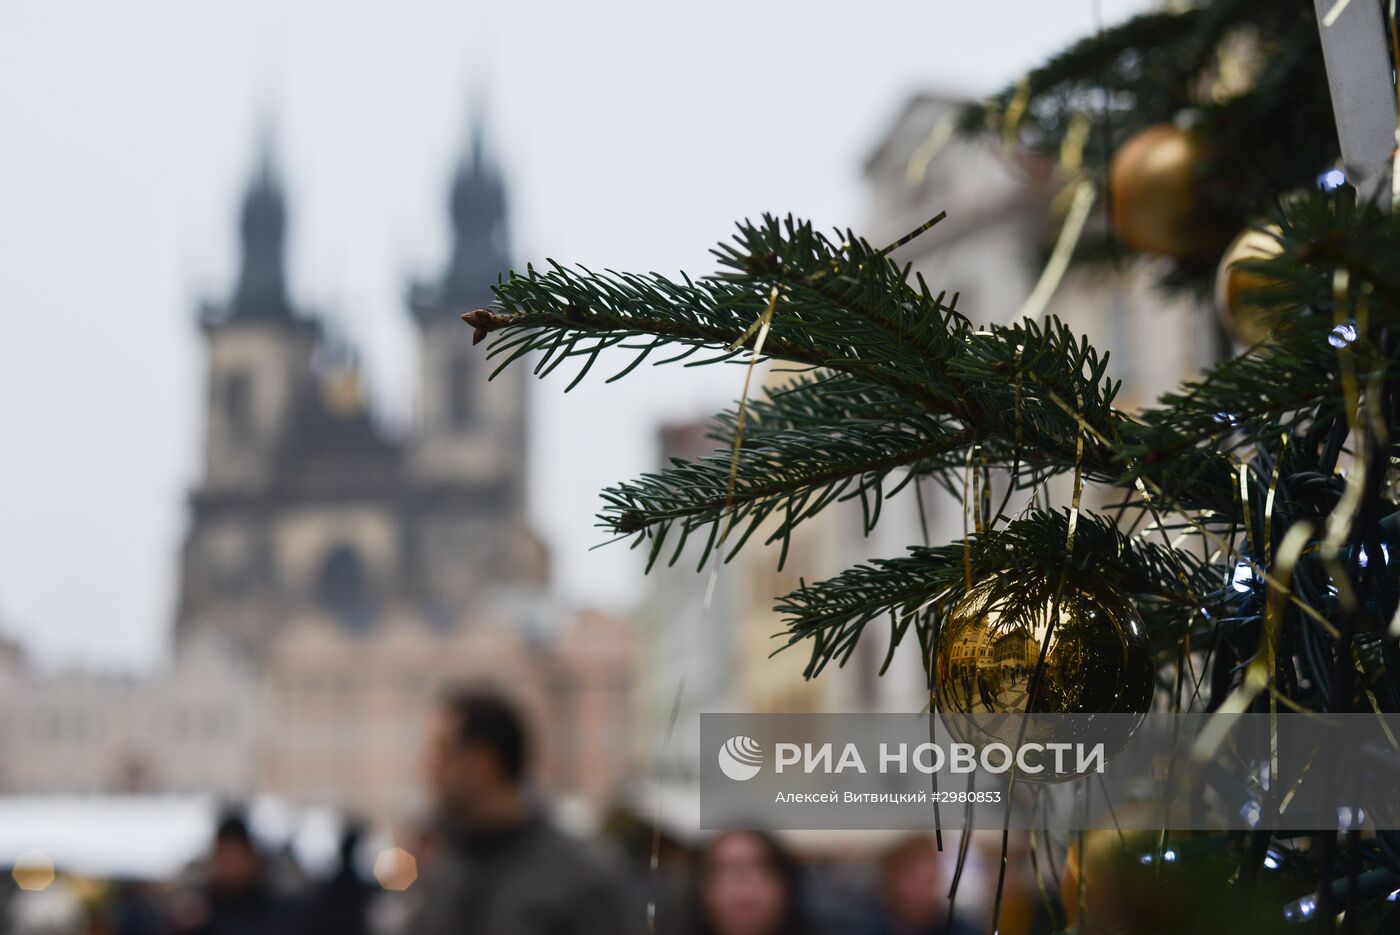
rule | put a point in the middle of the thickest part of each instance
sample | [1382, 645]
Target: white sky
[634, 134]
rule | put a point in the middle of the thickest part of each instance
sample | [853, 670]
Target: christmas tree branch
[1247, 77]
[900, 386]
[1023, 560]
[794, 474]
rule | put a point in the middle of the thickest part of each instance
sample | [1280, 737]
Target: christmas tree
[1256, 504]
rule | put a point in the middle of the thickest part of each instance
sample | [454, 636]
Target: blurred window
[462, 385]
[238, 404]
[344, 589]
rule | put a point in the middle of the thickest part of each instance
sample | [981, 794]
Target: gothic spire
[261, 291]
[480, 247]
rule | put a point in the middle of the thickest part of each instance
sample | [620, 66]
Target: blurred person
[498, 865]
[236, 898]
[748, 884]
[658, 865]
[912, 892]
[134, 910]
[341, 904]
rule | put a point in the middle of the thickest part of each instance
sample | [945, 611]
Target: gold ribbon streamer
[1073, 526]
[1208, 535]
[1078, 485]
[760, 323]
[1343, 515]
[1272, 621]
[1070, 232]
[1269, 636]
[763, 323]
[931, 146]
[1072, 146]
[761, 326]
[968, 497]
[1015, 110]
[1081, 202]
[1257, 674]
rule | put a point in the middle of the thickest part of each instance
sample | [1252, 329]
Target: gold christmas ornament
[1097, 662]
[1245, 322]
[1154, 179]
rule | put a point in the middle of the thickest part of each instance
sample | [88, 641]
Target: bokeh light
[33, 871]
[395, 869]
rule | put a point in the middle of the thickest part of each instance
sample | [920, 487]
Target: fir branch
[568, 314]
[792, 473]
[1163, 66]
[814, 400]
[1112, 59]
[906, 383]
[1024, 559]
[826, 429]
[1245, 400]
[899, 385]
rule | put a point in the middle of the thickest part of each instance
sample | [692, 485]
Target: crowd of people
[494, 863]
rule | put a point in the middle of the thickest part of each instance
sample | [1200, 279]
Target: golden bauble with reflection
[1097, 666]
[1246, 321]
[1155, 185]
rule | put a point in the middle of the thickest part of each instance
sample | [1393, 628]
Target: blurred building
[337, 575]
[685, 640]
[306, 505]
[1004, 208]
[194, 728]
[363, 571]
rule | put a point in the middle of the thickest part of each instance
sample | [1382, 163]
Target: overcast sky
[633, 133]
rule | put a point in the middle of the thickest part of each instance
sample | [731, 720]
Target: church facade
[344, 573]
[306, 506]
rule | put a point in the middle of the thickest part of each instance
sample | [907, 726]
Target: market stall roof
[136, 837]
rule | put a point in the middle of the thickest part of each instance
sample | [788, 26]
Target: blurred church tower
[306, 505]
[467, 462]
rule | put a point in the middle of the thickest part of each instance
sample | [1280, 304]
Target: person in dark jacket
[236, 898]
[341, 904]
[498, 866]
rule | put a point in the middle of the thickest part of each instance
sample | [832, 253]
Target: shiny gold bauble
[1246, 322]
[1097, 662]
[1155, 185]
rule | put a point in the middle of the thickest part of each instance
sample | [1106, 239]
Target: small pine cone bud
[485, 321]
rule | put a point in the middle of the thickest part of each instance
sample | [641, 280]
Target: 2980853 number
[964, 797]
